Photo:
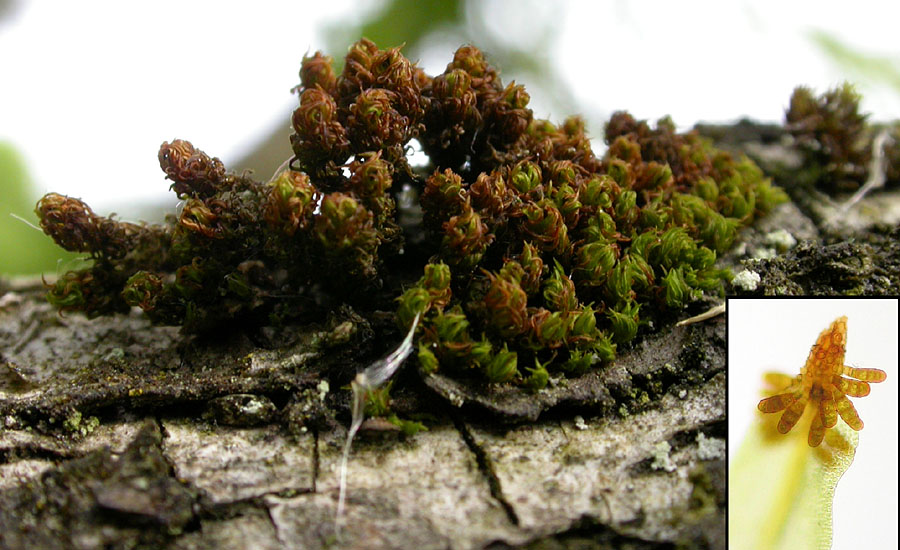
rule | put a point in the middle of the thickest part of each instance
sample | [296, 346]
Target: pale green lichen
[781, 240]
[746, 280]
[74, 423]
[323, 388]
[661, 458]
[709, 448]
[580, 423]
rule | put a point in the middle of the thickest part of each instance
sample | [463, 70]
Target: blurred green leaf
[398, 22]
[865, 67]
[408, 21]
[24, 250]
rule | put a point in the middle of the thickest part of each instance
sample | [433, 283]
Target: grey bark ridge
[122, 434]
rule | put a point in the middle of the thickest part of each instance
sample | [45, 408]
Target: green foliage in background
[24, 250]
[866, 68]
[402, 22]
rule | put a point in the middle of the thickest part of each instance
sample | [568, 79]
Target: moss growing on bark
[536, 255]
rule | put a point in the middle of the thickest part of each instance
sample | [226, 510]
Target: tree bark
[120, 434]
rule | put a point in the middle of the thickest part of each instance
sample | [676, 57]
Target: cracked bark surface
[120, 434]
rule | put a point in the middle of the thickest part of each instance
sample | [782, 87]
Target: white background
[776, 335]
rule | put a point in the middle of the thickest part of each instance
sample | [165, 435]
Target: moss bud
[318, 71]
[585, 322]
[198, 218]
[75, 227]
[504, 305]
[414, 301]
[481, 351]
[501, 367]
[595, 192]
[345, 228]
[579, 362]
[428, 362]
[545, 226]
[677, 290]
[532, 266]
[594, 261]
[538, 377]
[550, 328]
[559, 290]
[374, 123]
[624, 320]
[193, 172]
[466, 238]
[442, 197]
[378, 400]
[452, 326]
[70, 222]
[290, 202]
[142, 290]
[525, 177]
[319, 137]
[626, 207]
[66, 293]
[437, 277]
[603, 348]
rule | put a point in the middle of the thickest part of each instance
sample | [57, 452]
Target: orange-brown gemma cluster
[820, 382]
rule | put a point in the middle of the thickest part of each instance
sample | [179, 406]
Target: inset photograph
[812, 423]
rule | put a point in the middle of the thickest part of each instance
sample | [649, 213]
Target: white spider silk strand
[369, 379]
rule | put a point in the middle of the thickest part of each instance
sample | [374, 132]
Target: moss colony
[835, 141]
[532, 254]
